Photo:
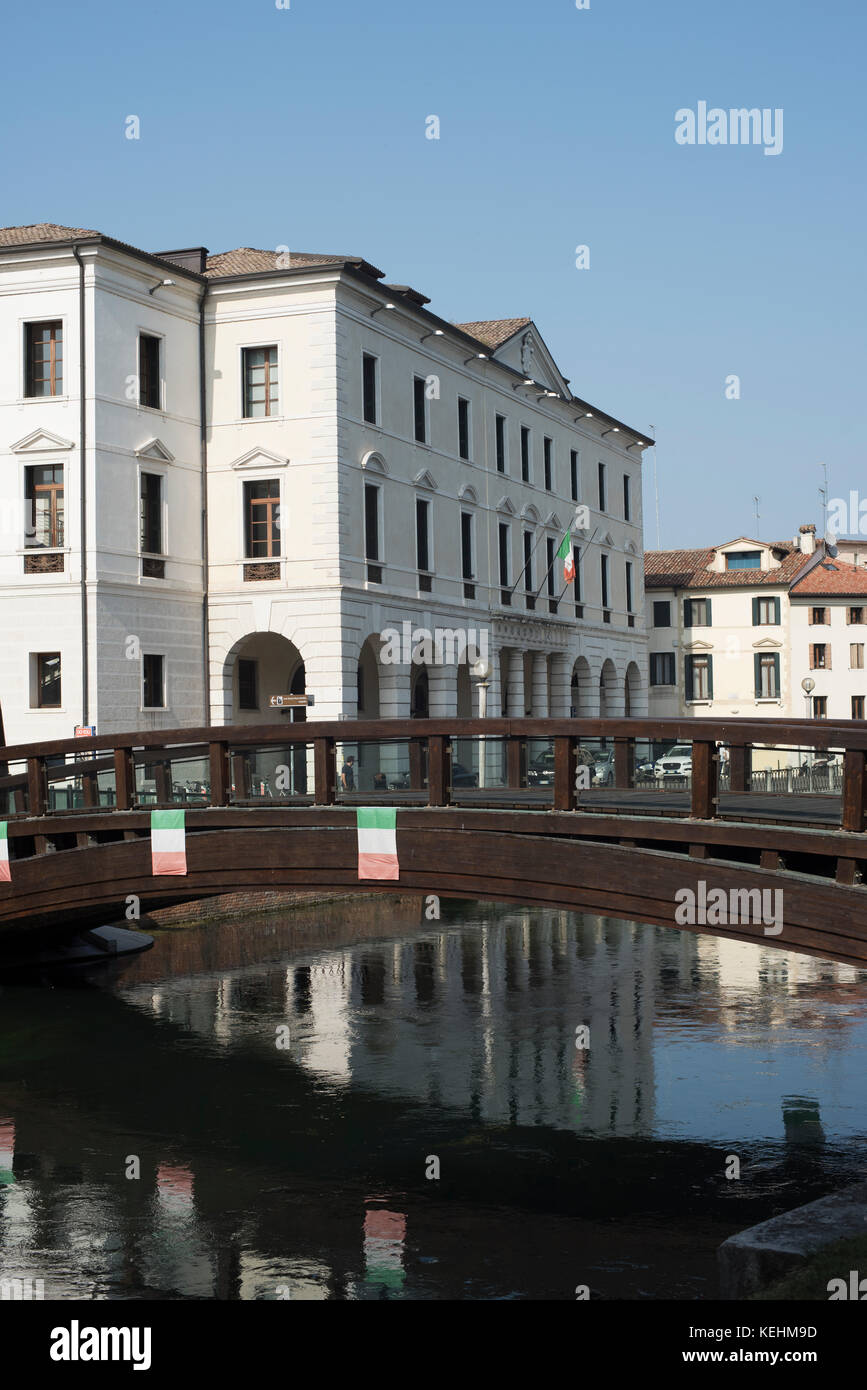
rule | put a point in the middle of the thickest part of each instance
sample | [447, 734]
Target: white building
[274, 458]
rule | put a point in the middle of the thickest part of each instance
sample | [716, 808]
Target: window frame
[465, 429]
[662, 603]
[670, 664]
[501, 443]
[249, 662]
[30, 529]
[627, 498]
[154, 656]
[575, 474]
[27, 378]
[262, 347]
[365, 358]
[39, 685]
[468, 542]
[424, 439]
[424, 502]
[602, 486]
[247, 541]
[526, 454]
[548, 462]
[159, 340]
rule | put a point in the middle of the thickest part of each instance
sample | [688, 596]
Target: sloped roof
[247, 260]
[687, 569]
[493, 332]
[831, 578]
[40, 231]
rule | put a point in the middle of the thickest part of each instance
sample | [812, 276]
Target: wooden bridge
[496, 809]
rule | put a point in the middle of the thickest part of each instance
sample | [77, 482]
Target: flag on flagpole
[5, 871]
[565, 554]
[377, 842]
[168, 842]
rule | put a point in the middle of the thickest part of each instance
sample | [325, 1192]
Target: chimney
[193, 258]
[808, 538]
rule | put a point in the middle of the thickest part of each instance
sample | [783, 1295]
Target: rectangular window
[505, 567]
[500, 430]
[551, 558]
[820, 706]
[856, 656]
[549, 464]
[149, 371]
[766, 612]
[743, 560]
[662, 671]
[463, 427]
[603, 569]
[422, 534]
[43, 357]
[661, 613]
[574, 477]
[371, 533]
[153, 682]
[696, 612]
[261, 393]
[43, 492]
[368, 387]
[857, 706]
[151, 513]
[628, 586]
[467, 571]
[818, 615]
[419, 409]
[248, 684]
[528, 569]
[820, 656]
[525, 454]
[627, 498]
[48, 680]
[767, 675]
[601, 480]
[698, 673]
[576, 561]
[855, 615]
[262, 519]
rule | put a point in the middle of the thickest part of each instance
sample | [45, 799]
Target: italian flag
[377, 842]
[168, 842]
[565, 554]
[5, 871]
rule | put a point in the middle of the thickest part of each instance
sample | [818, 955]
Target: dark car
[462, 777]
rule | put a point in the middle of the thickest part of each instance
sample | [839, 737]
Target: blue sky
[306, 127]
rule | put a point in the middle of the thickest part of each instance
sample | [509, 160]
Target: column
[540, 685]
[515, 684]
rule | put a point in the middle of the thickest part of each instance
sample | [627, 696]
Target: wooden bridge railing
[104, 769]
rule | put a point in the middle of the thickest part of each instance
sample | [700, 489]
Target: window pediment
[260, 458]
[155, 449]
[468, 494]
[374, 462]
[506, 505]
[424, 479]
[41, 442]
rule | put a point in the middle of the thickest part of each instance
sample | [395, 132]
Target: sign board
[85, 731]
[291, 701]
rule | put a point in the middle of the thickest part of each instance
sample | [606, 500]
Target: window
[153, 682]
[629, 586]
[262, 519]
[248, 684]
[419, 409]
[601, 481]
[574, 475]
[548, 448]
[857, 706]
[603, 570]
[43, 356]
[463, 427]
[422, 542]
[820, 656]
[149, 371]
[820, 706]
[151, 513]
[43, 492]
[528, 569]
[371, 533]
[467, 570]
[766, 612]
[855, 615]
[48, 680]
[818, 615]
[744, 560]
[505, 568]
[551, 557]
[698, 671]
[576, 561]
[500, 431]
[368, 387]
[696, 612]
[661, 613]
[767, 675]
[627, 498]
[261, 395]
[525, 454]
[856, 656]
[662, 669]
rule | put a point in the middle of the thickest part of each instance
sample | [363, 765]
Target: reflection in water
[578, 1079]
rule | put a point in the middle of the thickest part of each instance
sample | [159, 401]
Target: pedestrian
[347, 776]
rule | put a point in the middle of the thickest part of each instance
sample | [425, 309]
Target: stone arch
[419, 696]
[610, 691]
[367, 679]
[632, 691]
[277, 668]
[583, 695]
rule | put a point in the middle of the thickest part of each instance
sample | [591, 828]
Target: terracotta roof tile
[247, 260]
[493, 332]
[832, 577]
[687, 569]
[40, 231]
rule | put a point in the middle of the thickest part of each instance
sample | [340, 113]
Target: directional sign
[290, 701]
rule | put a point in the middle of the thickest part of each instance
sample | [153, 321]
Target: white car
[677, 762]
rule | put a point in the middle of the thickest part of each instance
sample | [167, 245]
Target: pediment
[698, 646]
[552, 519]
[607, 539]
[41, 442]
[767, 644]
[260, 458]
[506, 504]
[155, 449]
[631, 547]
[525, 352]
[424, 479]
[374, 462]
[468, 494]
[529, 513]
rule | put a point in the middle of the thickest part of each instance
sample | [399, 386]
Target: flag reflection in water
[7, 1152]
[384, 1242]
[175, 1188]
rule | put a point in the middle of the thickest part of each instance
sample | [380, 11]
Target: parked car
[540, 772]
[677, 762]
[603, 770]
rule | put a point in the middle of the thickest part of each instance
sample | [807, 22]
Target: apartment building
[225, 477]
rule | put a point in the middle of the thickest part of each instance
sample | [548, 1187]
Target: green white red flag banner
[565, 554]
[377, 842]
[5, 870]
[168, 842]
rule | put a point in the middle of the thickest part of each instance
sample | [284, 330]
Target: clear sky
[305, 127]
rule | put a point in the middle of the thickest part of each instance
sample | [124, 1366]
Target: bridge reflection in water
[303, 1169]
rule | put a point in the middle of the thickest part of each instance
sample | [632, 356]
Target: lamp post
[808, 685]
[482, 672]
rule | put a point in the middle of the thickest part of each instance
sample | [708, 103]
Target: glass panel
[275, 773]
[160, 778]
[381, 766]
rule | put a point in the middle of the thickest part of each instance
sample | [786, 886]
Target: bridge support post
[705, 780]
[218, 759]
[740, 767]
[438, 770]
[36, 786]
[624, 762]
[324, 771]
[854, 815]
[565, 768]
[124, 779]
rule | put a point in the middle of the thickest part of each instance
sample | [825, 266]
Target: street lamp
[808, 685]
[482, 671]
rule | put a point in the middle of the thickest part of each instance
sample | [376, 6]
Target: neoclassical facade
[260, 463]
